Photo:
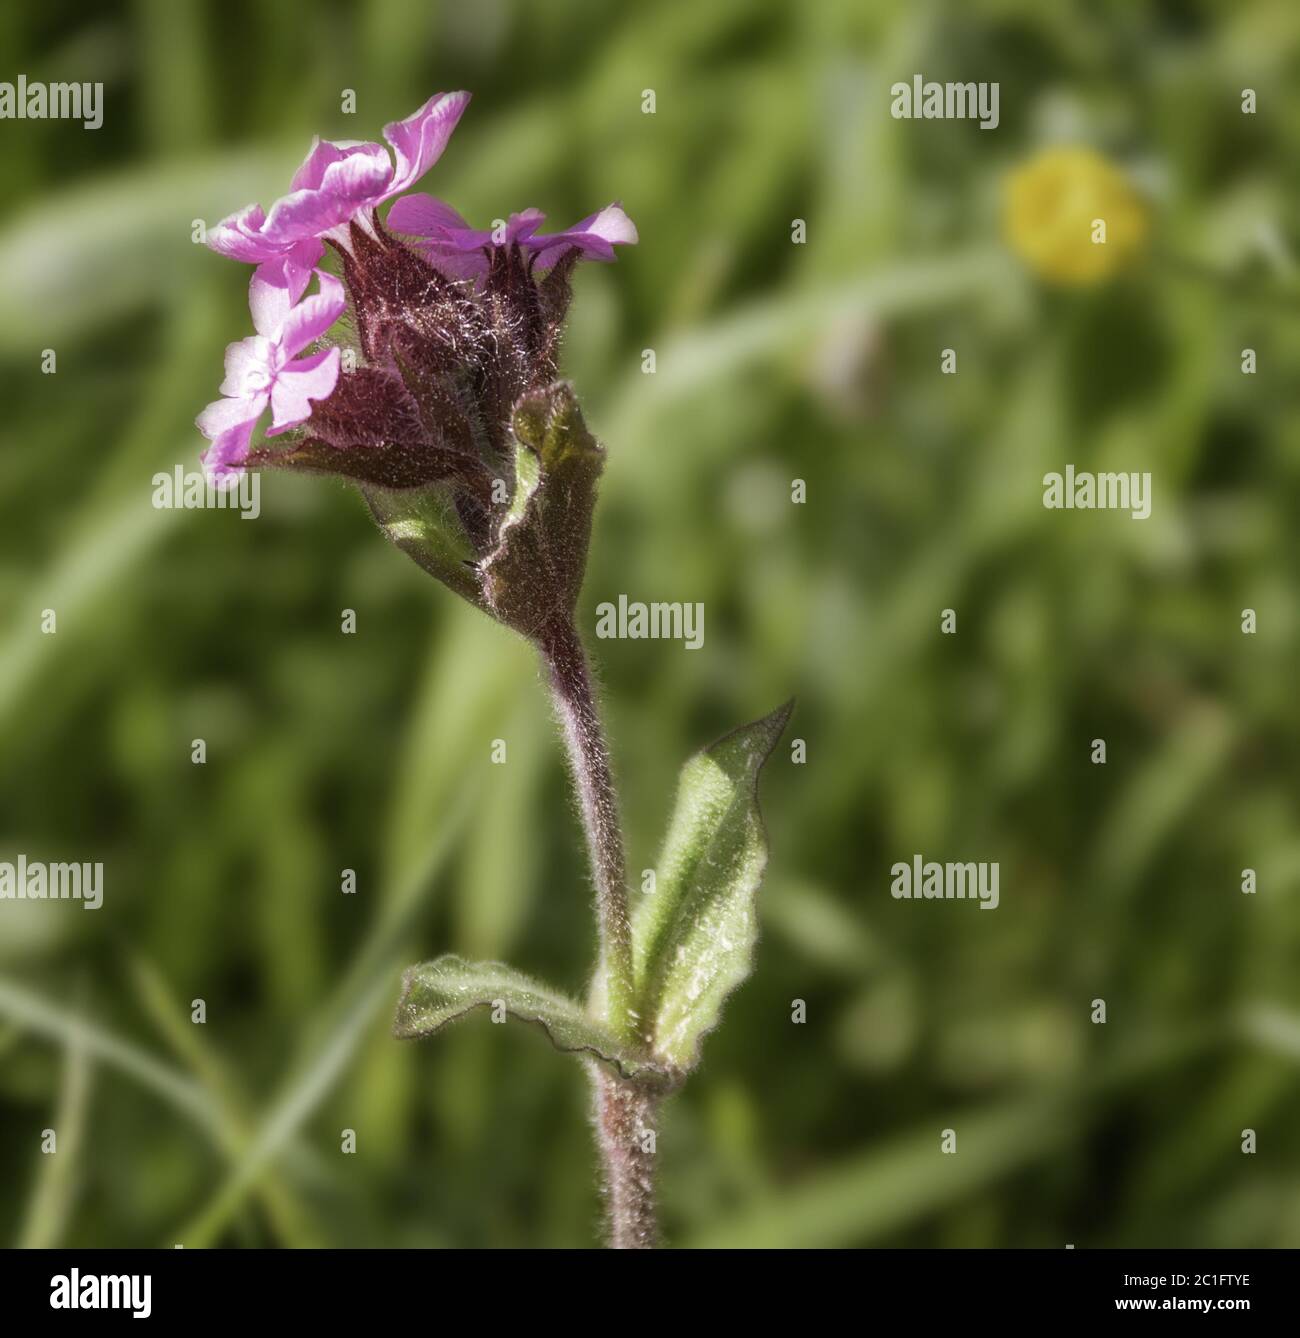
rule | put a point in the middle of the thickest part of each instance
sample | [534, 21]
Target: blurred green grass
[774, 362]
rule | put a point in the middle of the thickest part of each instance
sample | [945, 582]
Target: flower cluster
[450, 371]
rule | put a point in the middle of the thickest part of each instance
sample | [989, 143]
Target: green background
[774, 361]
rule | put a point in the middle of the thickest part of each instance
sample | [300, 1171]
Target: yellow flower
[1073, 217]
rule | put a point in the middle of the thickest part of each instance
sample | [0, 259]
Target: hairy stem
[594, 781]
[625, 1122]
[624, 1111]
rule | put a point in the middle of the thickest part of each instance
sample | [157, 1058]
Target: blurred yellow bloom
[1062, 204]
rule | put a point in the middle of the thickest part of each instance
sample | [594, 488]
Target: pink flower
[464, 252]
[339, 182]
[442, 364]
[262, 371]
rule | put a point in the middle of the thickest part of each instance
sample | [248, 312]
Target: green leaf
[421, 525]
[534, 574]
[438, 992]
[694, 935]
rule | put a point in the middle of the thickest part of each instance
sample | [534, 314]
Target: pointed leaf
[694, 935]
[438, 992]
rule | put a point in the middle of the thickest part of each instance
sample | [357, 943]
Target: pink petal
[248, 367]
[298, 384]
[596, 237]
[299, 262]
[306, 213]
[464, 239]
[222, 459]
[452, 245]
[351, 177]
[418, 141]
[360, 174]
[424, 216]
[277, 284]
[312, 171]
[239, 235]
[522, 226]
[225, 415]
[611, 224]
[455, 262]
[312, 316]
[270, 297]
